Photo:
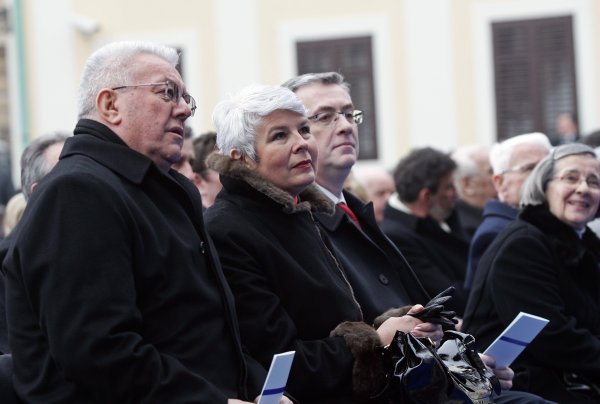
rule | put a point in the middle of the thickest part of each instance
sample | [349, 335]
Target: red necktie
[349, 212]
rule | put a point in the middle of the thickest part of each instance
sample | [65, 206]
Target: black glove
[434, 310]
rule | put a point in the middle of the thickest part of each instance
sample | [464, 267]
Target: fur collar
[569, 247]
[311, 199]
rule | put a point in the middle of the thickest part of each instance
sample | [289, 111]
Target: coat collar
[566, 241]
[311, 199]
[103, 145]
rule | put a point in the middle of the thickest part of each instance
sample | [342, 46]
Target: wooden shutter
[535, 82]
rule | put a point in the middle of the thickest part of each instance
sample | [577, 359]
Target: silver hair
[466, 159]
[112, 66]
[237, 119]
[34, 165]
[323, 78]
[534, 188]
[501, 153]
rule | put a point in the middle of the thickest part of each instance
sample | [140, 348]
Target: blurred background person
[420, 219]
[567, 128]
[473, 180]
[38, 158]
[206, 179]
[546, 263]
[184, 165]
[512, 161]
[378, 184]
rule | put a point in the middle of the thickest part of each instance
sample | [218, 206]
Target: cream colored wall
[232, 43]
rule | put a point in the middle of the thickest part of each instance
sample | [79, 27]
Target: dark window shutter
[534, 64]
[351, 57]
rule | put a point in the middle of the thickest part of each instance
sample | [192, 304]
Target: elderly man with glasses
[512, 161]
[114, 290]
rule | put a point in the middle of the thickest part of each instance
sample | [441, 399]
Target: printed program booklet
[515, 338]
[276, 378]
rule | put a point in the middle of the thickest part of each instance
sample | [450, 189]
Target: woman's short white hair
[237, 119]
[534, 189]
[501, 153]
[111, 66]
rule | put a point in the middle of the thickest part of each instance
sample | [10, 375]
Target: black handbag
[417, 372]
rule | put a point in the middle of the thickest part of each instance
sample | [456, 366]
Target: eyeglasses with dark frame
[328, 117]
[171, 92]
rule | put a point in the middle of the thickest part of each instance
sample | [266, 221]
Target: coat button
[383, 279]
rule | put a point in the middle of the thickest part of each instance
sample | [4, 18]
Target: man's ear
[424, 196]
[107, 106]
[497, 180]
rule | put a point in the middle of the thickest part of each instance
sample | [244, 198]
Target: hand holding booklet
[276, 378]
[515, 338]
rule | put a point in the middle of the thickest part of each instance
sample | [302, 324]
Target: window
[534, 74]
[351, 57]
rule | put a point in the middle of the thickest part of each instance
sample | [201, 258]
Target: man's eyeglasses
[326, 118]
[171, 93]
[574, 178]
[522, 169]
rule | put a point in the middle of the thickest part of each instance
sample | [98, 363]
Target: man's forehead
[321, 95]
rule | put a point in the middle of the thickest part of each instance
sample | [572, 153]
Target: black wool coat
[379, 274]
[290, 288]
[114, 290]
[539, 265]
[439, 259]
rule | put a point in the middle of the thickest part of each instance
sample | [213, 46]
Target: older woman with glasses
[546, 263]
[290, 289]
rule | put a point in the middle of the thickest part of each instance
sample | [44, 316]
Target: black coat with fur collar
[539, 265]
[290, 290]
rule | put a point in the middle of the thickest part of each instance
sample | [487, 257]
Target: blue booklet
[276, 378]
[515, 338]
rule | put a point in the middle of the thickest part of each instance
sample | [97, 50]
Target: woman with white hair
[289, 287]
[546, 263]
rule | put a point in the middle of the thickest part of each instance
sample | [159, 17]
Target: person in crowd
[38, 158]
[546, 263]
[290, 290]
[206, 179]
[126, 301]
[473, 182]
[352, 185]
[379, 186]
[512, 161]
[420, 219]
[378, 273]
[567, 128]
[185, 164]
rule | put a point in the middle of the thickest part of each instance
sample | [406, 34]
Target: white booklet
[276, 378]
[515, 338]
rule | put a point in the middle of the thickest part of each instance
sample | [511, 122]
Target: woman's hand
[504, 375]
[408, 324]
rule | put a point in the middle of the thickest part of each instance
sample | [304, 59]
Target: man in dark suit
[114, 291]
[421, 220]
[377, 271]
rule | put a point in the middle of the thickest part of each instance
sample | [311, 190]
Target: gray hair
[501, 153]
[34, 165]
[323, 78]
[237, 119]
[466, 159]
[534, 188]
[111, 66]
